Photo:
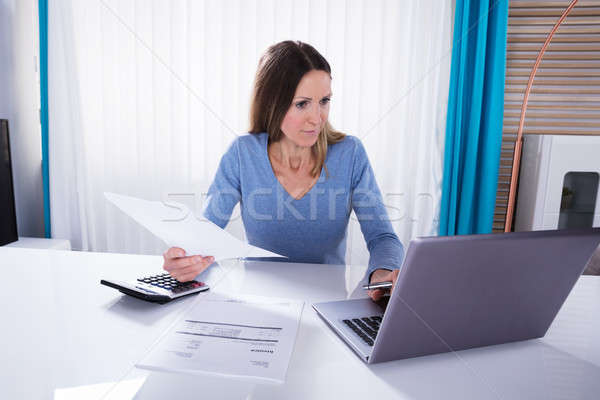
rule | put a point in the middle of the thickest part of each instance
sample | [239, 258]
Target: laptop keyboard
[366, 328]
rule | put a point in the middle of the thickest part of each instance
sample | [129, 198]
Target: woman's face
[308, 113]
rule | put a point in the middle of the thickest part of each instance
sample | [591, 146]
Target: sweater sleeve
[385, 249]
[225, 191]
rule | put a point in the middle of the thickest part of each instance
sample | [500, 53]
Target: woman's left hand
[382, 275]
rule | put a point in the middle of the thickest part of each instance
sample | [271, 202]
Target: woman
[296, 178]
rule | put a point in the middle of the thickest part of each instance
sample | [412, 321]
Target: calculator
[160, 288]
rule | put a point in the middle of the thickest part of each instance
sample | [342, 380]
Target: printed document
[243, 337]
[177, 226]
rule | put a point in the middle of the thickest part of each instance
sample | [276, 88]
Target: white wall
[5, 59]
[20, 103]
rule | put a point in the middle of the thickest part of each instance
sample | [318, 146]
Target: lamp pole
[519, 143]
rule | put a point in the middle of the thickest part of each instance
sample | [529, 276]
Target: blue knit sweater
[313, 228]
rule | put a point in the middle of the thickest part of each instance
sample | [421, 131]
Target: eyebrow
[310, 98]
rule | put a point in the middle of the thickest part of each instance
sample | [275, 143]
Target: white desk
[72, 338]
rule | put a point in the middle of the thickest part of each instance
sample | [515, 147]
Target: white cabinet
[558, 184]
[41, 243]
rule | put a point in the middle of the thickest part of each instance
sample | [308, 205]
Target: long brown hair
[280, 70]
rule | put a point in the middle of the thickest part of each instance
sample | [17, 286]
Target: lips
[312, 133]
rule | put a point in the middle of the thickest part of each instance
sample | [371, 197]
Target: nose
[314, 116]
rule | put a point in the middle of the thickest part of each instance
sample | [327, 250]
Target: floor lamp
[519, 143]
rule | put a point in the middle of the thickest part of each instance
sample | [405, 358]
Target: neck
[291, 155]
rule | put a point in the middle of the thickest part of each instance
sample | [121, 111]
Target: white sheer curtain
[145, 97]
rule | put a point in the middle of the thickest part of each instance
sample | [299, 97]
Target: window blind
[565, 97]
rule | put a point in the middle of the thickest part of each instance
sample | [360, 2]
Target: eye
[302, 104]
[325, 101]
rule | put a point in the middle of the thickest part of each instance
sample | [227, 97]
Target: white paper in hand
[177, 226]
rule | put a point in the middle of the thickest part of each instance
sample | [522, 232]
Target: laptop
[460, 292]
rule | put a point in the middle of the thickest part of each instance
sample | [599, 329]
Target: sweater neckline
[274, 177]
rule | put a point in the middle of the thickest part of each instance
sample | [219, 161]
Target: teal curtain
[43, 32]
[474, 120]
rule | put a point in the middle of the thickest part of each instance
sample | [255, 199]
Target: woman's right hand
[184, 268]
[383, 275]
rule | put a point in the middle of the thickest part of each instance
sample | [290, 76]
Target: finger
[184, 275]
[188, 276]
[179, 272]
[183, 262]
[394, 278]
[376, 294]
[174, 252]
[190, 272]
[209, 259]
[175, 264]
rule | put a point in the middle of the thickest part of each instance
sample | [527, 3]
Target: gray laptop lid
[460, 292]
